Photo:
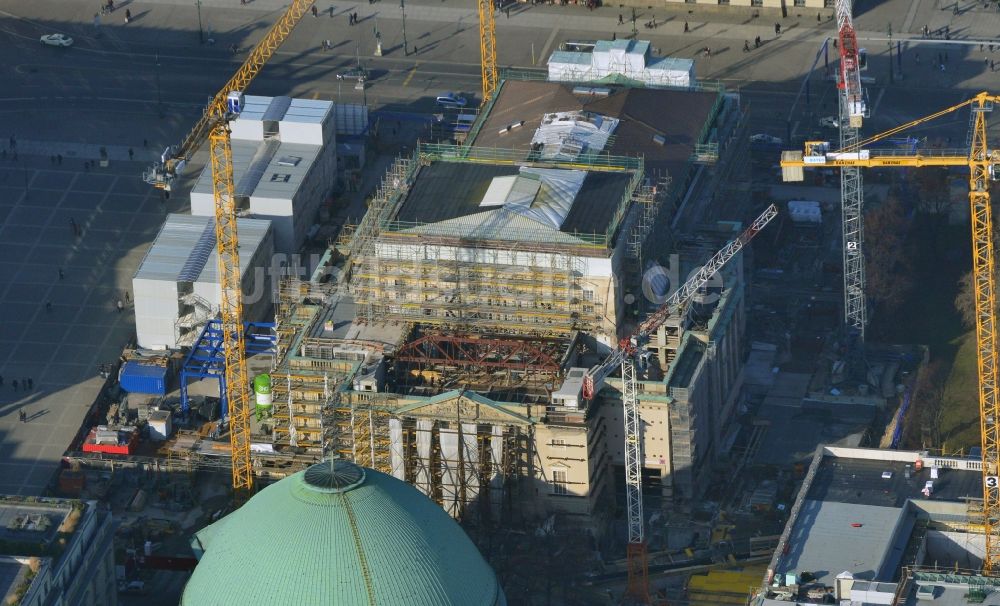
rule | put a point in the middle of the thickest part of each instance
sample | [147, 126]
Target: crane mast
[488, 49]
[984, 165]
[214, 126]
[852, 112]
[624, 357]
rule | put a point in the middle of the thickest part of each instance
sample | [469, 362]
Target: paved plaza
[55, 330]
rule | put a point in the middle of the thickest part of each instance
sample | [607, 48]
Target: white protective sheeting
[424, 435]
[630, 59]
[543, 195]
[396, 458]
[566, 135]
[450, 478]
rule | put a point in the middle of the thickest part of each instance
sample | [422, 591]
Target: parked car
[56, 40]
[762, 140]
[354, 73]
[451, 100]
[829, 122]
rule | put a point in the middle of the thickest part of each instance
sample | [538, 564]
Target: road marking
[548, 43]
[409, 76]
[878, 100]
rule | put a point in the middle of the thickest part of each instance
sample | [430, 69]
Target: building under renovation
[485, 279]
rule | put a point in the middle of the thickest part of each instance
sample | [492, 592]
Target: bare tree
[889, 264]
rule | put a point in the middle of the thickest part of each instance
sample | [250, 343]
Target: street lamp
[201, 33]
[402, 7]
[159, 99]
[891, 70]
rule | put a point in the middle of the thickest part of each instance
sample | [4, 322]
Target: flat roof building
[56, 551]
[868, 523]
[284, 165]
[176, 287]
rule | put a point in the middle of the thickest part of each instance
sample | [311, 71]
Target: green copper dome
[339, 534]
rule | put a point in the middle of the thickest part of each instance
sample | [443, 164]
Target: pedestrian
[48, 306]
[145, 143]
[350, 18]
[777, 29]
[61, 276]
[120, 306]
[621, 20]
[818, 18]
[507, 12]
[756, 42]
[22, 415]
[59, 159]
[128, 15]
[414, 49]
[14, 385]
[686, 29]
[315, 12]
[128, 297]
[131, 154]
[746, 46]
[942, 67]
[31, 384]
[331, 12]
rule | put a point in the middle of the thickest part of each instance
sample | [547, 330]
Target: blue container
[143, 378]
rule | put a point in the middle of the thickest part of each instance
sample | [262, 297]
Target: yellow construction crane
[488, 49]
[984, 165]
[214, 126]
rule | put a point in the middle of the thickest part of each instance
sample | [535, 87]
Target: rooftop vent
[659, 139]
[591, 91]
[280, 178]
[289, 160]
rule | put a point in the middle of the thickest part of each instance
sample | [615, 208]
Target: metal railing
[494, 155]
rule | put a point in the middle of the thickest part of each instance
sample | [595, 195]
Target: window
[724, 2]
[800, 2]
[588, 294]
[280, 178]
[558, 443]
[756, 2]
[558, 482]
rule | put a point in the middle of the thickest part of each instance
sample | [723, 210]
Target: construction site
[548, 330]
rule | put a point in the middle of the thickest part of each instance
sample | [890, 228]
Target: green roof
[308, 538]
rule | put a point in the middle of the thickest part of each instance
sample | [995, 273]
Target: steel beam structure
[484, 353]
[851, 204]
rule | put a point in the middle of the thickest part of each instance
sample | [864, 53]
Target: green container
[262, 391]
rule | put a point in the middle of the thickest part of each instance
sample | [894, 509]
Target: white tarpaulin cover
[630, 59]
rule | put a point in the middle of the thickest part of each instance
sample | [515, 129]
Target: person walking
[128, 16]
[14, 385]
[131, 154]
[686, 28]
[120, 306]
[315, 11]
[31, 384]
[746, 46]
[23, 416]
[621, 20]
[331, 12]
[777, 29]
[61, 274]
[128, 297]
[48, 306]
